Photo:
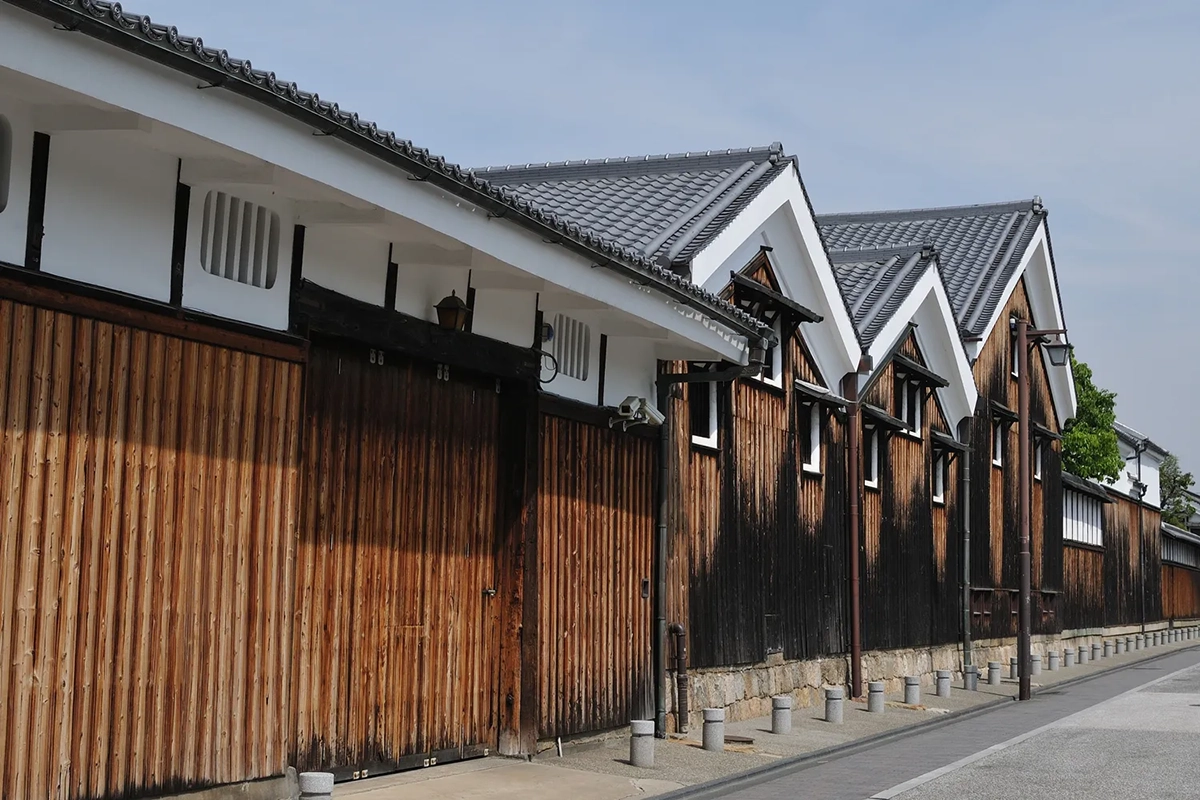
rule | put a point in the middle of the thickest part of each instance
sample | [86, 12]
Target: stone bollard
[641, 743]
[1014, 668]
[1119, 646]
[1146, 640]
[1035, 664]
[1137, 642]
[1069, 657]
[714, 729]
[943, 683]
[1052, 660]
[1083, 655]
[875, 703]
[1095, 651]
[1108, 649]
[1128, 644]
[912, 690]
[971, 678]
[833, 705]
[781, 715]
[993, 673]
[1157, 640]
[1189, 632]
[319, 785]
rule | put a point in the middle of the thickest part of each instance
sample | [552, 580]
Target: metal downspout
[853, 477]
[964, 499]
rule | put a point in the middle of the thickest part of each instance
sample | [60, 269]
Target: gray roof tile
[666, 207]
[979, 247]
[135, 33]
[875, 281]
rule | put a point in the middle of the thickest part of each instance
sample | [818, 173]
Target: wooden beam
[93, 302]
[61, 119]
[323, 311]
[35, 220]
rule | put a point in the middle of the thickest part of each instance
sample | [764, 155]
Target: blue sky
[1095, 106]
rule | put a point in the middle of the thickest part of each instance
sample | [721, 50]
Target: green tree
[1089, 447]
[1174, 483]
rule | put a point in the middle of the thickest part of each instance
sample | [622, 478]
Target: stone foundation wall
[745, 692]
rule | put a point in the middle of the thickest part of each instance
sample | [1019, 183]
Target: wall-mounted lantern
[1058, 352]
[452, 313]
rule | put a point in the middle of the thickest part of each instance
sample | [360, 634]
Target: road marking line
[900, 788]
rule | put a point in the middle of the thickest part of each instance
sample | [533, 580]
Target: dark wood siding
[1131, 562]
[911, 546]
[1083, 587]
[396, 636]
[995, 549]
[148, 505]
[757, 546]
[1180, 592]
[595, 535]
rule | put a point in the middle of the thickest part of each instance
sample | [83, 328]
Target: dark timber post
[964, 499]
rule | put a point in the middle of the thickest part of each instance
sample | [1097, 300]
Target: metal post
[1024, 622]
[853, 436]
[964, 501]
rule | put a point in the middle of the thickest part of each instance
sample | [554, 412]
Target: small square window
[1014, 358]
[702, 408]
[871, 458]
[998, 445]
[939, 480]
[810, 437]
[1037, 460]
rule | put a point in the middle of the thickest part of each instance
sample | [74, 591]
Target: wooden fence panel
[147, 506]
[595, 533]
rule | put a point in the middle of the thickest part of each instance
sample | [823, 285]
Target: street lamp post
[1057, 353]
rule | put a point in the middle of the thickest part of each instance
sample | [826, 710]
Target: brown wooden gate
[595, 535]
[396, 635]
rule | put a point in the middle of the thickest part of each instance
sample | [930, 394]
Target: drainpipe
[1140, 489]
[964, 499]
[659, 644]
[853, 477]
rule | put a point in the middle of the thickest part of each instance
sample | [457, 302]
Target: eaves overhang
[163, 44]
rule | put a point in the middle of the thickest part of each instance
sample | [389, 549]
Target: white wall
[13, 217]
[632, 369]
[346, 261]
[213, 294]
[505, 315]
[585, 391]
[110, 207]
[1150, 466]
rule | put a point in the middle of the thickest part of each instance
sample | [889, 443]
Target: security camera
[653, 415]
[630, 407]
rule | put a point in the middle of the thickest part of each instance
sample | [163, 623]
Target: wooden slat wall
[595, 537]
[1083, 588]
[396, 641]
[1180, 592]
[757, 547]
[1128, 561]
[148, 502]
[994, 525]
[911, 546]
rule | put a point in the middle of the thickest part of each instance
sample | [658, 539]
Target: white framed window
[772, 369]
[998, 444]
[810, 429]
[871, 457]
[1013, 356]
[6, 146]
[1083, 518]
[572, 347]
[939, 479]
[239, 240]
[702, 409]
[1037, 459]
[908, 402]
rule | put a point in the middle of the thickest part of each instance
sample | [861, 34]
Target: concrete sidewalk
[598, 768]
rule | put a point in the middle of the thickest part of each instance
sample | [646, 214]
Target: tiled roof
[1133, 438]
[979, 247]
[135, 33]
[876, 281]
[665, 207]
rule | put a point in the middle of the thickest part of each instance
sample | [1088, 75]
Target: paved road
[1143, 744]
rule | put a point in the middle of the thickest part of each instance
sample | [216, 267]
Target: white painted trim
[1047, 313]
[60, 119]
[785, 191]
[937, 336]
[713, 417]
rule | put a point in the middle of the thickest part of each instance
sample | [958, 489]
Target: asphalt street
[1122, 734]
